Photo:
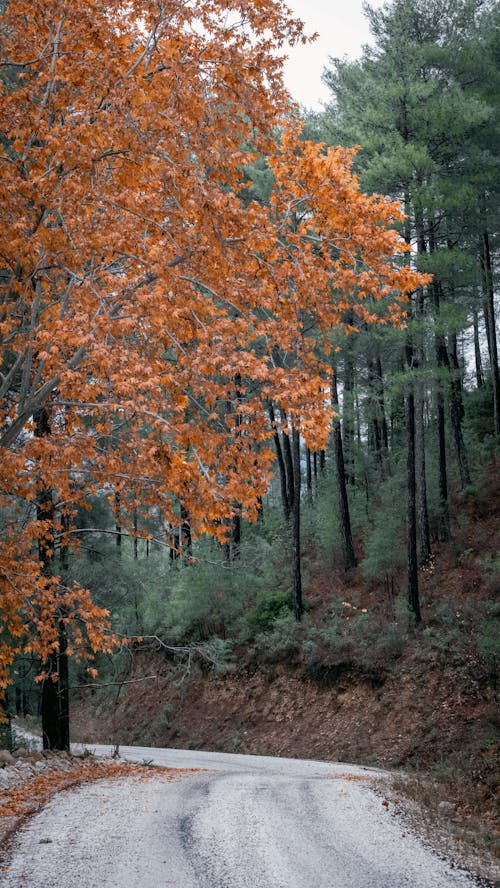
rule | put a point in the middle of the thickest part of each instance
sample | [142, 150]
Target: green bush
[206, 600]
[488, 640]
[284, 641]
[269, 607]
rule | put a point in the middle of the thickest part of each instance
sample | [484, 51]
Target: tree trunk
[118, 522]
[411, 486]
[308, 473]
[421, 484]
[288, 457]
[322, 460]
[55, 685]
[411, 518]
[281, 465]
[136, 541]
[442, 364]
[298, 606]
[345, 520]
[378, 424]
[348, 418]
[477, 351]
[489, 314]
[457, 412]
[420, 463]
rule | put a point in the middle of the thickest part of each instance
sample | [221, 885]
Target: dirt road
[243, 822]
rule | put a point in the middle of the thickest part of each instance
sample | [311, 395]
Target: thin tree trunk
[457, 412]
[136, 541]
[308, 473]
[442, 364]
[420, 463]
[411, 493]
[477, 351]
[421, 483]
[411, 523]
[375, 433]
[288, 457]
[55, 685]
[348, 418]
[298, 606]
[281, 464]
[345, 520]
[489, 313]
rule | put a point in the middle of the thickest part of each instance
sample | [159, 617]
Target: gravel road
[245, 822]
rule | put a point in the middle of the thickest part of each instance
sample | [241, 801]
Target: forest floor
[428, 709]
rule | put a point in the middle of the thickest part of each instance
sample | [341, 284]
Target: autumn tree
[136, 288]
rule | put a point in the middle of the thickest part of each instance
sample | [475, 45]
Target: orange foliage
[135, 288]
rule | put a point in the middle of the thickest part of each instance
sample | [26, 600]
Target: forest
[249, 388]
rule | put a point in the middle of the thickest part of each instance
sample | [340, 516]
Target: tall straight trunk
[288, 458]
[236, 535]
[457, 411]
[444, 509]
[420, 462]
[284, 486]
[232, 546]
[348, 418]
[380, 435]
[315, 465]
[298, 606]
[345, 520]
[489, 315]
[477, 351]
[308, 473]
[136, 531]
[421, 484]
[55, 685]
[411, 484]
[442, 364]
[411, 517]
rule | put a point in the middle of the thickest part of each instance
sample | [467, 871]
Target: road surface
[243, 822]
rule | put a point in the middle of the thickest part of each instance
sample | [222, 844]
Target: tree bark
[411, 522]
[442, 364]
[281, 464]
[348, 418]
[55, 686]
[308, 473]
[420, 462]
[489, 314]
[298, 606]
[289, 466]
[457, 412]
[350, 560]
[477, 351]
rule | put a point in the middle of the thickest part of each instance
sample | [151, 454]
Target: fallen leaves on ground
[32, 794]
[361, 778]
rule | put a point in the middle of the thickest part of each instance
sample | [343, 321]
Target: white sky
[342, 28]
